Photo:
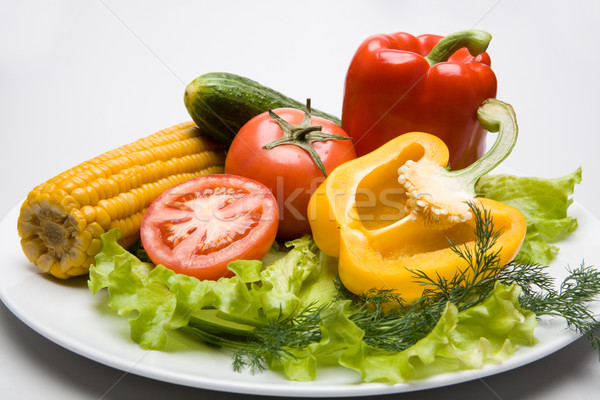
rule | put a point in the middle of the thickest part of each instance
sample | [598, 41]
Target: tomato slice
[199, 226]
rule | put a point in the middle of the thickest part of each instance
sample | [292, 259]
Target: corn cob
[62, 219]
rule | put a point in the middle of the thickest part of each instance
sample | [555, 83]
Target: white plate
[68, 314]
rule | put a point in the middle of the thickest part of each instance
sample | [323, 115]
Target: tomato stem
[303, 135]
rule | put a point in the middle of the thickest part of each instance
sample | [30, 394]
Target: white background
[78, 78]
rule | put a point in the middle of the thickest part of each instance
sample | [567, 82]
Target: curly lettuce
[162, 300]
[157, 300]
[489, 332]
[543, 203]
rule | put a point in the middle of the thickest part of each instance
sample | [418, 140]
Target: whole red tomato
[281, 149]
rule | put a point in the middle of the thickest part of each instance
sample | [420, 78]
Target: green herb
[403, 326]
[272, 340]
[469, 286]
[571, 301]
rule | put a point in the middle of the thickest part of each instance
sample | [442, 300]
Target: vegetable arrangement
[380, 251]
[62, 219]
[262, 232]
[289, 314]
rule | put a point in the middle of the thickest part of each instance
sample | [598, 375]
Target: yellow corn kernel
[103, 188]
[98, 188]
[95, 247]
[76, 257]
[83, 239]
[33, 248]
[76, 271]
[112, 186]
[108, 205]
[90, 213]
[96, 229]
[26, 212]
[62, 219]
[82, 196]
[56, 270]
[77, 219]
[68, 202]
[45, 262]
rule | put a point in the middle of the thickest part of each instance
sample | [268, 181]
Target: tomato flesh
[199, 226]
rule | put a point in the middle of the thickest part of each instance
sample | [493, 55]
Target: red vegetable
[400, 83]
[199, 226]
[290, 152]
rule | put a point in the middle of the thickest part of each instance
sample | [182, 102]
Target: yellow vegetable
[393, 211]
[62, 219]
[441, 196]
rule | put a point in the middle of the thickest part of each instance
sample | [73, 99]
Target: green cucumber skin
[221, 103]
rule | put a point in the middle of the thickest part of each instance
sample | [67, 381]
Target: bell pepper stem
[494, 116]
[475, 41]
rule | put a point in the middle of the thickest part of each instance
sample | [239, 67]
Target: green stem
[494, 116]
[475, 41]
[215, 340]
[211, 320]
[303, 135]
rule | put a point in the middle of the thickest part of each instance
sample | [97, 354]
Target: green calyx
[303, 135]
[494, 116]
[475, 41]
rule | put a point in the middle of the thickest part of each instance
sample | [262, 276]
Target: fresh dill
[278, 337]
[571, 301]
[272, 340]
[391, 324]
[471, 285]
[403, 326]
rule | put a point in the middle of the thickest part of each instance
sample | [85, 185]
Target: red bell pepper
[400, 83]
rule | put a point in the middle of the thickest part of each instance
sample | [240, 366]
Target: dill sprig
[272, 340]
[404, 325]
[571, 301]
[471, 285]
[386, 327]
[275, 339]
[391, 324]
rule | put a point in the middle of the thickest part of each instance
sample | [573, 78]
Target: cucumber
[221, 103]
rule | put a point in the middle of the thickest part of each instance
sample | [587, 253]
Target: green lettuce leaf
[338, 333]
[158, 300]
[543, 203]
[488, 332]
[161, 300]
[277, 291]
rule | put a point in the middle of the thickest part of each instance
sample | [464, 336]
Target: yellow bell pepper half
[360, 215]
